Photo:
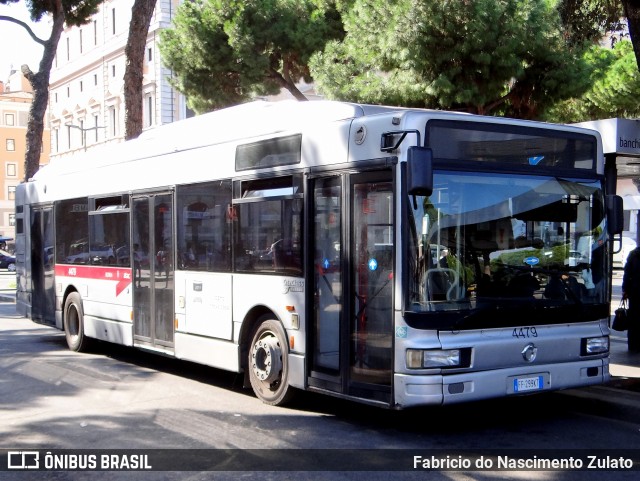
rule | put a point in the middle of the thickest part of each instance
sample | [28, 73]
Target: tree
[487, 56]
[141, 14]
[614, 87]
[224, 51]
[71, 13]
[587, 21]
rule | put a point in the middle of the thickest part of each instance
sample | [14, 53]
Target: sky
[16, 45]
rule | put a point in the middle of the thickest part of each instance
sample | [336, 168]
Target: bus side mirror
[615, 214]
[419, 171]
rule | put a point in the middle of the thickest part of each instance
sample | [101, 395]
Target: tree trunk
[287, 83]
[632, 12]
[141, 14]
[40, 85]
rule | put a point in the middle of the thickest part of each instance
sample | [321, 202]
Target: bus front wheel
[74, 323]
[268, 365]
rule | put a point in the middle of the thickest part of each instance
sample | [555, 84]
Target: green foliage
[486, 56]
[614, 87]
[549, 257]
[76, 12]
[589, 20]
[223, 52]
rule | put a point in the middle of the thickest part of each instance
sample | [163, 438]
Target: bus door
[153, 270]
[352, 286]
[43, 293]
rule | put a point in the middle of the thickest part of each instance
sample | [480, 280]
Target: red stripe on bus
[121, 275]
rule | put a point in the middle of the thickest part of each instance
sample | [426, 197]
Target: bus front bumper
[418, 390]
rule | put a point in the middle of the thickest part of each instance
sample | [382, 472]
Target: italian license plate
[523, 384]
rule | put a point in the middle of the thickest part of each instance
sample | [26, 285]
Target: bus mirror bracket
[390, 141]
[419, 171]
[615, 214]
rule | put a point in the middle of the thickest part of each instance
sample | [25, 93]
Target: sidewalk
[7, 286]
[624, 366]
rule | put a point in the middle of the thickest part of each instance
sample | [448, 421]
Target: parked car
[620, 258]
[7, 261]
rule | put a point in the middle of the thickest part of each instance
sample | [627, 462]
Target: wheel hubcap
[267, 359]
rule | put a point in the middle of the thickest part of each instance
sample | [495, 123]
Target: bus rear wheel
[268, 364]
[74, 323]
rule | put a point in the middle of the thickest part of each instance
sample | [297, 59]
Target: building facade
[15, 102]
[86, 94]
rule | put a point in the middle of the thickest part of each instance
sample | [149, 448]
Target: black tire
[268, 363]
[74, 323]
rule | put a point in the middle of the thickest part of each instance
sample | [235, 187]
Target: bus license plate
[534, 383]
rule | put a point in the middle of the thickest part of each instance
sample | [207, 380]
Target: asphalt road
[117, 398]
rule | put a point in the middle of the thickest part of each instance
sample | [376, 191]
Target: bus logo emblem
[530, 352]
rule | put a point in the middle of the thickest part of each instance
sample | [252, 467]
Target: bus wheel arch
[265, 351]
[73, 321]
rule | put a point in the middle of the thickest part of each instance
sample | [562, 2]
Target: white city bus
[397, 257]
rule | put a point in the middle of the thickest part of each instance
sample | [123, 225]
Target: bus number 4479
[524, 332]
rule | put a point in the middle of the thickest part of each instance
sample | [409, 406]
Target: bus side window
[269, 234]
[72, 230]
[204, 226]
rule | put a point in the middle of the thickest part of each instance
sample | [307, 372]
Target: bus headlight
[434, 358]
[595, 345]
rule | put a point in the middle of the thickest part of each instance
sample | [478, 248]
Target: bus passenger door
[43, 293]
[153, 270]
[352, 287]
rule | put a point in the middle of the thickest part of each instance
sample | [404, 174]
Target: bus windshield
[505, 243]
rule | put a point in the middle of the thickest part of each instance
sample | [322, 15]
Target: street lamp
[84, 132]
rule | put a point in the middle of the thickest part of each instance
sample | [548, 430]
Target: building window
[12, 220]
[56, 140]
[95, 127]
[68, 49]
[149, 111]
[9, 120]
[12, 170]
[55, 97]
[11, 145]
[68, 91]
[113, 21]
[80, 32]
[81, 86]
[95, 32]
[149, 54]
[95, 79]
[11, 192]
[113, 70]
[112, 121]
